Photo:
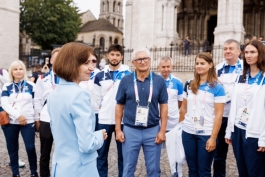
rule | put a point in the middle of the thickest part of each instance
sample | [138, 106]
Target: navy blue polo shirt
[126, 96]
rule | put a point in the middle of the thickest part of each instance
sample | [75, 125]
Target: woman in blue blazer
[72, 115]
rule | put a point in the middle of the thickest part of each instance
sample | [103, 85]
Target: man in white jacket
[44, 86]
[228, 72]
[105, 89]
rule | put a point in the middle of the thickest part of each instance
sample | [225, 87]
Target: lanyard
[233, 74]
[136, 89]
[203, 100]
[19, 86]
[246, 84]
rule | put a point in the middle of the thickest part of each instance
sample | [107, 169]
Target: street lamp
[171, 47]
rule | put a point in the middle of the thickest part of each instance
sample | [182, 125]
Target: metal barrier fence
[181, 62]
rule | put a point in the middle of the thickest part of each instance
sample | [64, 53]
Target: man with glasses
[139, 98]
[106, 84]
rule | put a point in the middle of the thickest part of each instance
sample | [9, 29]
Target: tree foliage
[49, 22]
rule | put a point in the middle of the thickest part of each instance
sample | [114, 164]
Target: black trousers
[219, 165]
[46, 140]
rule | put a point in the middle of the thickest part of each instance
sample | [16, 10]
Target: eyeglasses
[139, 60]
[91, 61]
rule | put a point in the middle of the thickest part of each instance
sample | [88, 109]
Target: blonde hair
[16, 64]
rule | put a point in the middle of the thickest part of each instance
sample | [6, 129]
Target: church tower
[112, 11]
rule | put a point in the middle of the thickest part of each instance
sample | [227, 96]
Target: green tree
[49, 22]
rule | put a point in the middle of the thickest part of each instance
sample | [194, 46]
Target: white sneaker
[21, 164]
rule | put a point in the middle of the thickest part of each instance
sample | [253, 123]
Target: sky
[92, 5]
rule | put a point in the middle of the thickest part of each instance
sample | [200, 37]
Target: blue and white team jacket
[89, 87]
[44, 86]
[23, 103]
[254, 94]
[106, 85]
[228, 75]
[175, 91]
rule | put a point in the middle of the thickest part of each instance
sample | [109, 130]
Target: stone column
[128, 21]
[229, 21]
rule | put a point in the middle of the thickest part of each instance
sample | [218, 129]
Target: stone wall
[9, 32]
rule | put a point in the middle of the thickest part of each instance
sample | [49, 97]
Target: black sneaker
[16, 175]
[34, 175]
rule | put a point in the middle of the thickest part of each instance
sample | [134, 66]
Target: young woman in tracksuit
[246, 122]
[17, 101]
[201, 112]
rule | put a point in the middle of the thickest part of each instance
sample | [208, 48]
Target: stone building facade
[9, 32]
[112, 10]
[107, 29]
[157, 23]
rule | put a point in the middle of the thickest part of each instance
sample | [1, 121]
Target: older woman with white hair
[17, 100]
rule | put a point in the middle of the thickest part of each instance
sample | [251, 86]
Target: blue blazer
[72, 126]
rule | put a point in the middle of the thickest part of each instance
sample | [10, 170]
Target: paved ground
[5, 170]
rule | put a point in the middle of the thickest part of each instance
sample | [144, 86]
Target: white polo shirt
[203, 102]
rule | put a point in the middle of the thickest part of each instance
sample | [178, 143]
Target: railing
[181, 63]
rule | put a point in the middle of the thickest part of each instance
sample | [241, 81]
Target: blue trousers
[219, 165]
[134, 140]
[199, 160]
[250, 162]
[102, 160]
[11, 132]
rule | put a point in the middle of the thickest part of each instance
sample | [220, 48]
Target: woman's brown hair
[70, 57]
[211, 78]
[261, 57]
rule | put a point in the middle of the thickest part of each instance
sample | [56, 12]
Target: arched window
[104, 7]
[114, 20]
[102, 43]
[107, 6]
[114, 4]
[119, 6]
[116, 41]
[118, 25]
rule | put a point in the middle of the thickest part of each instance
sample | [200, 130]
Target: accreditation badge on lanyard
[142, 112]
[22, 88]
[246, 110]
[198, 119]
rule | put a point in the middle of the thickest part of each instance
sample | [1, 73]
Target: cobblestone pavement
[5, 170]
